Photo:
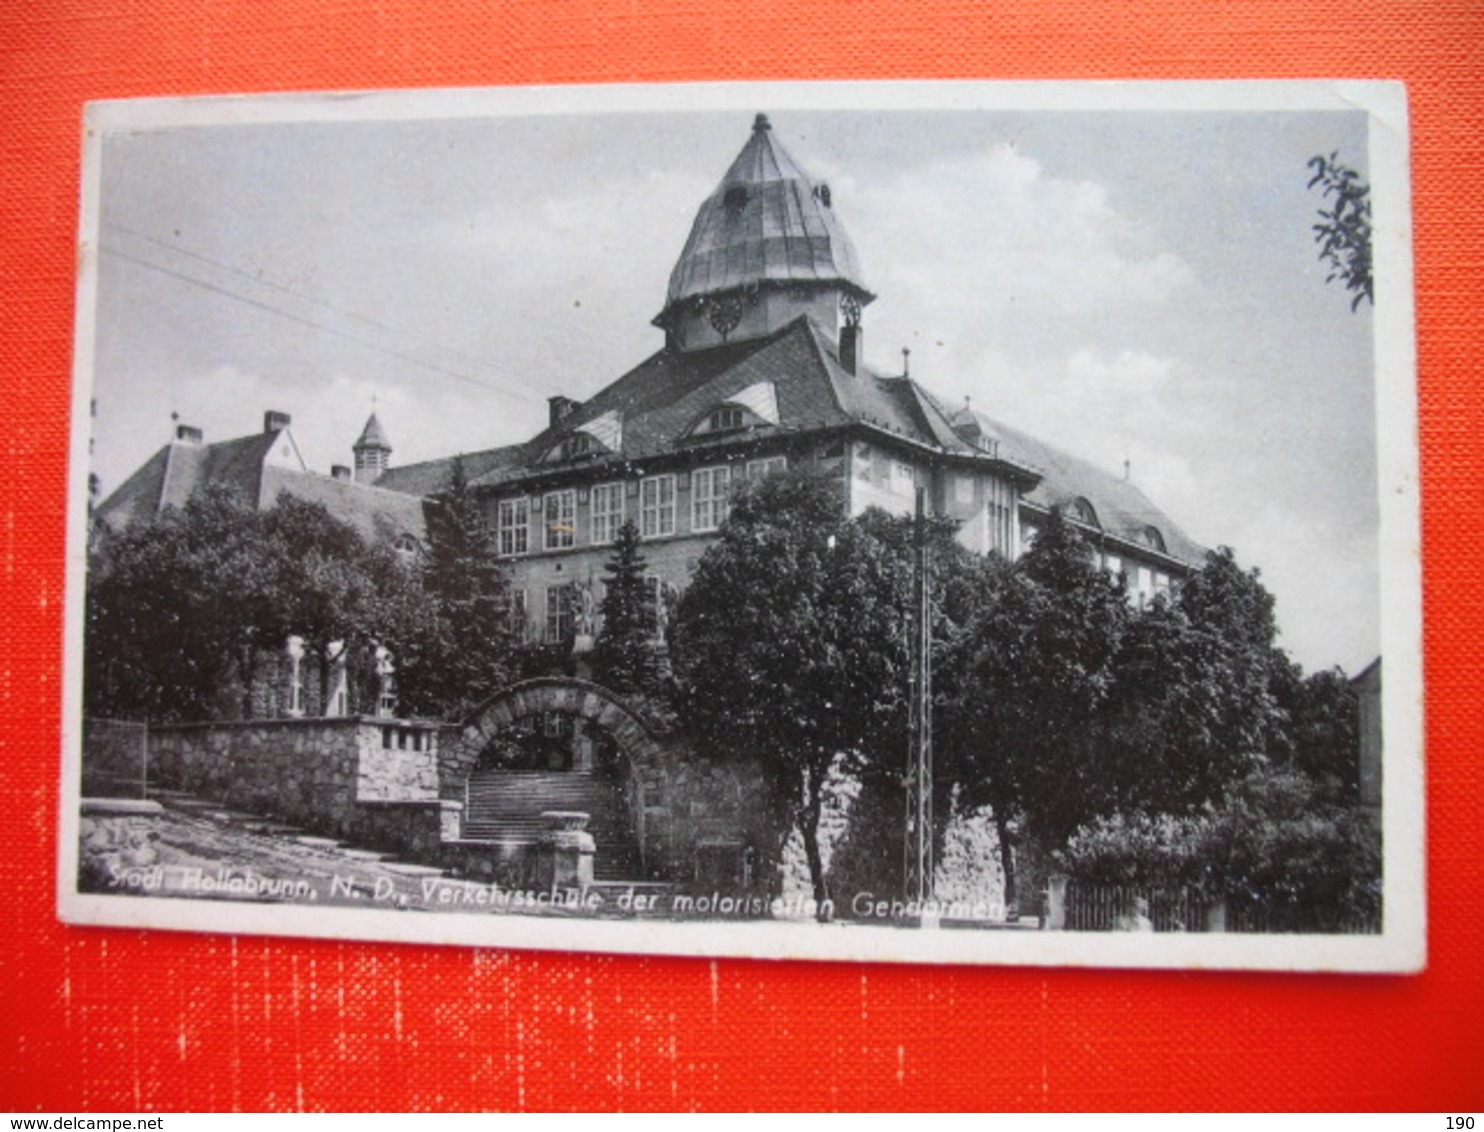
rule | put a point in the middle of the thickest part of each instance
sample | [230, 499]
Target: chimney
[340, 472]
[561, 408]
[188, 434]
[850, 347]
[274, 421]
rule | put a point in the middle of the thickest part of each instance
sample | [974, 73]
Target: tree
[460, 648]
[624, 656]
[1344, 229]
[175, 609]
[182, 609]
[1032, 675]
[1269, 844]
[789, 649]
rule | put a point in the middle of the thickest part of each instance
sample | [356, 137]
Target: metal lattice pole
[918, 846]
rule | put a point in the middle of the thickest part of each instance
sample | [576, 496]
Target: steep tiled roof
[434, 476]
[662, 399]
[177, 472]
[1122, 508]
[767, 221]
[376, 514]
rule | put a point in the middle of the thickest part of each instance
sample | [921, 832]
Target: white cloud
[992, 238]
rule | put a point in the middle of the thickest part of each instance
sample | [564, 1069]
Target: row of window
[557, 510]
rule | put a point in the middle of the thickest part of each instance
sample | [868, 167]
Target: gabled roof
[766, 222]
[178, 471]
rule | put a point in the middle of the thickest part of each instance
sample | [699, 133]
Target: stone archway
[599, 708]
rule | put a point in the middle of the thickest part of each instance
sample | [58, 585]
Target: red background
[110, 1019]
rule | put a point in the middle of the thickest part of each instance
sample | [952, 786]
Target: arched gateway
[555, 743]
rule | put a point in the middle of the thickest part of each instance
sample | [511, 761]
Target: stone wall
[327, 775]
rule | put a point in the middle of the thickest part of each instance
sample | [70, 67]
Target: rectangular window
[901, 476]
[771, 465]
[1113, 564]
[708, 498]
[558, 613]
[657, 507]
[963, 488]
[561, 520]
[607, 513]
[1145, 586]
[513, 526]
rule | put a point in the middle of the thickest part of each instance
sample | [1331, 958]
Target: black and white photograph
[948, 523]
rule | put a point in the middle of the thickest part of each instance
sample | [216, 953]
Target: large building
[762, 367]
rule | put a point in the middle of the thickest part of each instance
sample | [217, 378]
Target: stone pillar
[295, 651]
[1056, 903]
[564, 853]
[1216, 915]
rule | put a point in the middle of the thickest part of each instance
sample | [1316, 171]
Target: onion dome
[767, 222]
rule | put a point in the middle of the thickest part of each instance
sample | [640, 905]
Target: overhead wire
[499, 384]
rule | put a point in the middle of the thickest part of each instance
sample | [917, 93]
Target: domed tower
[765, 248]
[372, 451]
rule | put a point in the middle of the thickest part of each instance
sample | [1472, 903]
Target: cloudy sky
[1136, 285]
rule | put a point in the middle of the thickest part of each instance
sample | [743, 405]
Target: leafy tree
[1032, 675]
[1270, 843]
[1344, 229]
[460, 647]
[624, 656]
[183, 609]
[789, 648]
[175, 609]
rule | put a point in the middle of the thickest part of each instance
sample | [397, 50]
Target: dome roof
[767, 221]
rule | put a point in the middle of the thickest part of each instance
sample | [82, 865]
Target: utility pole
[918, 846]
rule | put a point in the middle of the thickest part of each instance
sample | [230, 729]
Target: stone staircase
[506, 806]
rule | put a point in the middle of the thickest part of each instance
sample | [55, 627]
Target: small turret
[372, 452]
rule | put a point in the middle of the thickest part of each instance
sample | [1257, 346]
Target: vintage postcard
[952, 523]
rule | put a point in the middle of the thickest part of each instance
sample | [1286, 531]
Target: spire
[767, 225]
[372, 451]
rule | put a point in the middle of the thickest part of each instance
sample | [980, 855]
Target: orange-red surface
[107, 1019]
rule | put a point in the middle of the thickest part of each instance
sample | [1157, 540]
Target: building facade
[763, 368]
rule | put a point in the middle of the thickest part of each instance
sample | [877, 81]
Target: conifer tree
[624, 656]
[471, 653]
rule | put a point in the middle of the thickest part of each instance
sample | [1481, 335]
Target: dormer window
[1081, 510]
[574, 446]
[728, 418]
[1150, 536]
[407, 549]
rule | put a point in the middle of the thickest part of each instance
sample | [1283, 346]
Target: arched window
[1081, 510]
[1152, 537]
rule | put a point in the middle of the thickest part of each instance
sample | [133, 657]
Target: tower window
[735, 198]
